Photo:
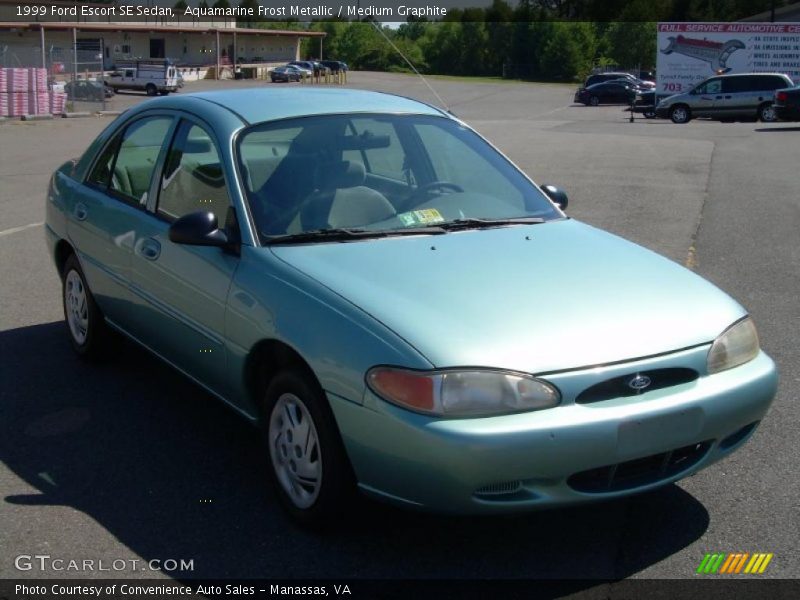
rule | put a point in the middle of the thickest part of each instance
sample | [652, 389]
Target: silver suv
[726, 98]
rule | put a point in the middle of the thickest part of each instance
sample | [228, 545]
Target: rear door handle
[150, 249]
[80, 211]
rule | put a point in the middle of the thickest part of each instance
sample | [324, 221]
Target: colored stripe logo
[734, 564]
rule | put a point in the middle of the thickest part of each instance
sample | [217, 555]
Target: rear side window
[136, 160]
[101, 173]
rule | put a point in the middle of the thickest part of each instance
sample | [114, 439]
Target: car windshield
[381, 174]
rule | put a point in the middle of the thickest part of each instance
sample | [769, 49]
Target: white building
[36, 33]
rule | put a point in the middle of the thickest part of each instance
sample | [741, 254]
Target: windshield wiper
[476, 223]
[341, 234]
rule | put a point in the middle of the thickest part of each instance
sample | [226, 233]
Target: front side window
[137, 157]
[378, 173]
[193, 179]
[713, 86]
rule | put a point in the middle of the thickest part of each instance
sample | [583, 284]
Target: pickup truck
[787, 104]
[154, 76]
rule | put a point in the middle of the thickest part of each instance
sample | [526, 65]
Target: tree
[179, 8]
[248, 21]
[569, 51]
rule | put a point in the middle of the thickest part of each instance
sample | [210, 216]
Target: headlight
[735, 346]
[462, 393]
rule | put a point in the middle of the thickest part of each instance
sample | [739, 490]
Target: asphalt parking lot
[127, 460]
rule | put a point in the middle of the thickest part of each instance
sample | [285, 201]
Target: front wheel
[766, 112]
[679, 114]
[594, 101]
[308, 464]
[150, 89]
[85, 323]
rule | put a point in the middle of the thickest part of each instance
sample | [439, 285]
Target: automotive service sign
[691, 52]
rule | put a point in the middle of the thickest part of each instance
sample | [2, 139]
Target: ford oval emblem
[639, 382]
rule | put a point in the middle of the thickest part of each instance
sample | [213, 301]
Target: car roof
[732, 75]
[268, 104]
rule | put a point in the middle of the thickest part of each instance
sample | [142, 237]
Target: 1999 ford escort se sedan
[397, 305]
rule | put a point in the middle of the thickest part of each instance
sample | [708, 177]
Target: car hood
[533, 298]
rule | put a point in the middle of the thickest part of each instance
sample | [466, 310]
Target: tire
[295, 410]
[150, 89]
[86, 326]
[680, 114]
[594, 101]
[163, 93]
[650, 115]
[766, 113]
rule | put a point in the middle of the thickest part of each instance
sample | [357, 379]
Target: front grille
[619, 387]
[638, 472]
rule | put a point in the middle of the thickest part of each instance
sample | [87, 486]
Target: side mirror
[198, 229]
[557, 195]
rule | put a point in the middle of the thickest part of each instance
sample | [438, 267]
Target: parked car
[787, 104]
[378, 314]
[87, 89]
[335, 65]
[610, 92]
[726, 98]
[304, 65]
[286, 73]
[645, 103]
[320, 70]
[616, 75]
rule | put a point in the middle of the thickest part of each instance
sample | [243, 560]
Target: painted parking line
[20, 228]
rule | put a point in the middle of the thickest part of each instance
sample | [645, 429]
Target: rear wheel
[151, 89]
[308, 464]
[680, 114]
[594, 101]
[766, 112]
[85, 323]
[650, 115]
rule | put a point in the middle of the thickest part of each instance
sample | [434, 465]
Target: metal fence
[75, 70]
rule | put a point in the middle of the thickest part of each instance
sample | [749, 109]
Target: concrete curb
[44, 117]
[75, 115]
[109, 113]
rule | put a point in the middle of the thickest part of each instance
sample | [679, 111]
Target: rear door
[107, 206]
[181, 291]
[739, 97]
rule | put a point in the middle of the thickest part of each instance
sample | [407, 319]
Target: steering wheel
[425, 189]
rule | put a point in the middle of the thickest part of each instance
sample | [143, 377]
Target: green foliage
[555, 40]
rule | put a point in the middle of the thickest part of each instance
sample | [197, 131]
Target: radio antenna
[410, 64]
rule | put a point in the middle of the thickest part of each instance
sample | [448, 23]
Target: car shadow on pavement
[775, 129]
[172, 473]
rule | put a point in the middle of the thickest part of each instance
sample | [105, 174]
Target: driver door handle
[150, 249]
[80, 212]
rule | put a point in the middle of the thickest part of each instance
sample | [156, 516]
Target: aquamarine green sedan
[397, 305]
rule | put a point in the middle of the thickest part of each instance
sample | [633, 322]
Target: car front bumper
[551, 457]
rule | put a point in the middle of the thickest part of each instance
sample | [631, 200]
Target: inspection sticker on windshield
[421, 217]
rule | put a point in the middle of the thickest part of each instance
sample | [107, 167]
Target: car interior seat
[342, 200]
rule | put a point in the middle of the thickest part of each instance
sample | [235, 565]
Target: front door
[183, 290]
